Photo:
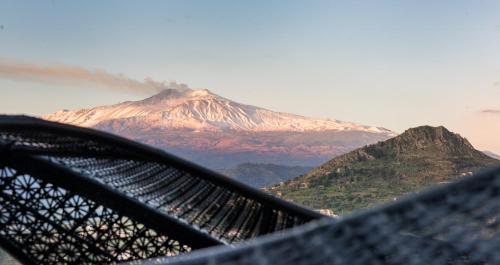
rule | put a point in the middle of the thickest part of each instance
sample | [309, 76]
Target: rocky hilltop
[418, 158]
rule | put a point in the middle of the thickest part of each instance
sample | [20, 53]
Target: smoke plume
[491, 111]
[68, 75]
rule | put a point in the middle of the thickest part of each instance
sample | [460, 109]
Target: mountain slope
[492, 155]
[202, 110]
[418, 158]
[219, 133]
[261, 175]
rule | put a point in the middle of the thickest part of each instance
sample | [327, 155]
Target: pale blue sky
[395, 64]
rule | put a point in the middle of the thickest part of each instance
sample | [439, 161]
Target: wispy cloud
[491, 111]
[69, 75]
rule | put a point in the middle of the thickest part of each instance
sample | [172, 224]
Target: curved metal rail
[457, 223]
[76, 195]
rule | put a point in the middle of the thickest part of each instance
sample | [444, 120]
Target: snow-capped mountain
[202, 110]
[219, 133]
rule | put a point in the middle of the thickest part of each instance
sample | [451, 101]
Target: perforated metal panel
[147, 202]
[53, 225]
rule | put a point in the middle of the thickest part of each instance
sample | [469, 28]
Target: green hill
[418, 158]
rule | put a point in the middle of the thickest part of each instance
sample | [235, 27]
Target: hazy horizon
[391, 64]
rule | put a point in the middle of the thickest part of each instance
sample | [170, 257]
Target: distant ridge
[417, 158]
[492, 155]
[216, 132]
[261, 175]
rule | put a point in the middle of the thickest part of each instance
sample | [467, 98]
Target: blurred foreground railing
[74, 195]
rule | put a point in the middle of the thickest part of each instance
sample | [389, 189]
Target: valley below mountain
[262, 175]
[420, 157]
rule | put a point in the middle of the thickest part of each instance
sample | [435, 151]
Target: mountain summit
[417, 158]
[202, 110]
[219, 133]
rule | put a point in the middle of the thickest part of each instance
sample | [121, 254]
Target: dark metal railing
[138, 201]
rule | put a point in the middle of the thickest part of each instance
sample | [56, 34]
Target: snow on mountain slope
[219, 133]
[202, 110]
